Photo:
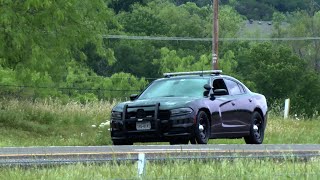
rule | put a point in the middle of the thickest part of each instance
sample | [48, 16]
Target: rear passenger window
[241, 88]
[233, 87]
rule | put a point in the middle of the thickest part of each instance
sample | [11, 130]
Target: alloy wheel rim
[203, 127]
[257, 128]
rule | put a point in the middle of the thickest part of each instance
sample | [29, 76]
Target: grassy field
[41, 123]
[54, 123]
[224, 169]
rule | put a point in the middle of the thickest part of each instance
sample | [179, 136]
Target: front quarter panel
[212, 108]
[260, 102]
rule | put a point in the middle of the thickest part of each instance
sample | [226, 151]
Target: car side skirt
[230, 135]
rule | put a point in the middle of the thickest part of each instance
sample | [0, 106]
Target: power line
[68, 88]
[108, 77]
[163, 38]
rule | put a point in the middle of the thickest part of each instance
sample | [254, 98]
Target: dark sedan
[191, 106]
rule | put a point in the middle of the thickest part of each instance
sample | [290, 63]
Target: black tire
[193, 140]
[179, 141]
[257, 128]
[202, 128]
[121, 142]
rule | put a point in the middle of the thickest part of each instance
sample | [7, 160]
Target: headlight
[116, 115]
[181, 111]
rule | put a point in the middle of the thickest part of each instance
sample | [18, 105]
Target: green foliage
[164, 18]
[279, 74]
[230, 22]
[304, 25]
[8, 76]
[224, 168]
[228, 63]
[269, 68]
[171, 62]
[44, 122]
[277, 19]
[55, 48]
[253, 9]
[55, 123]
[128, 83]
[123, 5]
[142, 21]
[38, 38]
[307, 100]
[134, 57]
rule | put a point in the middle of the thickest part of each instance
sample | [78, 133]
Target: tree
[304, 25]
[278, 19]
[279, 74]
[253, 9]
[170, 61]
[162, 18]
[124, 5]
[40, 37]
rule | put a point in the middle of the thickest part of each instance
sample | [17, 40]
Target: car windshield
[182, 87]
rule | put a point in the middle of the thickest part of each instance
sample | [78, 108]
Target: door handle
[233, 103]
[250, 100]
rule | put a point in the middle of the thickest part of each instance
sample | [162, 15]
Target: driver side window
[219, 84]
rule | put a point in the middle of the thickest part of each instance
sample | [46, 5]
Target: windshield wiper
[168, 96]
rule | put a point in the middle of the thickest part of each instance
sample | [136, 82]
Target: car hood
[165, 102]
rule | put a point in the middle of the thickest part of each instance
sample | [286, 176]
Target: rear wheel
[122, 142]
[256, 135]
[202, 128]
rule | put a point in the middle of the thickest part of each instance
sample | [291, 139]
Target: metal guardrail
[66, 155]
[140, 158]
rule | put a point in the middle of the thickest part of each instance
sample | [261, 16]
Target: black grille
[164, 115]
[140, 113]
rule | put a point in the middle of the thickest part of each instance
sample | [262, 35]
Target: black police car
[191, 106]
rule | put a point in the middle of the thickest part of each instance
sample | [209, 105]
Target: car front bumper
[160, 131]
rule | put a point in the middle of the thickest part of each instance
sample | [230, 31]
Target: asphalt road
[97, 154]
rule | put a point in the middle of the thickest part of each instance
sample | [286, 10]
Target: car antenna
[202, 69]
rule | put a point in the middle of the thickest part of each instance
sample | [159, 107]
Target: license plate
[143, 125]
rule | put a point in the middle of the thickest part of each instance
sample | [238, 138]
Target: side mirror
[220, 92]
[133, 96]
[207, 87]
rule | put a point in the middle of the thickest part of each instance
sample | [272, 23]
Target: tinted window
[188, 87]
[233, 87]
[219, 84]
[241, 88]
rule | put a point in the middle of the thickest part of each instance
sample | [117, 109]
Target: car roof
[202, 76]
[186, 77]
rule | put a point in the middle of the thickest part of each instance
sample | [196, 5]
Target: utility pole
[215, 34]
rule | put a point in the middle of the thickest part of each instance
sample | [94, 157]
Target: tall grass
[52, 122]
[180, 169]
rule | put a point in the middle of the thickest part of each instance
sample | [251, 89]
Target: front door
[225, 109]
[236, 119]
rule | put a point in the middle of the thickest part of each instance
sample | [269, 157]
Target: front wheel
[202, 128]
[257, 128]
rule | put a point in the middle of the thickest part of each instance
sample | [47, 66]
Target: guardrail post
[141, 164]
[286, 108]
